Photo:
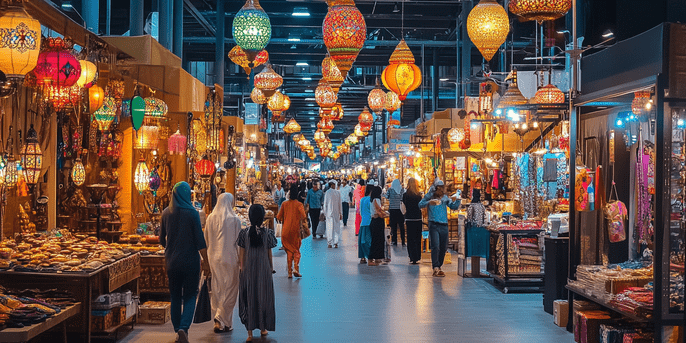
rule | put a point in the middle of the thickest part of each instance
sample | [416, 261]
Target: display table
[85, 287]
[153, 275]
[27, 333]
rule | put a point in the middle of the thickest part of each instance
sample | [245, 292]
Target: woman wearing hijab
[302, 192]
[413, 218]
[397, 219]
[357, 195]
[377, 229]
[364, 239]
[291, 214]
[181, 236]
[256, 295]
[221, 234]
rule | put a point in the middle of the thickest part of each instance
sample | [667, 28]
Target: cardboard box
[153, 312]
[144, 49]
[101, 320]
[560, 312]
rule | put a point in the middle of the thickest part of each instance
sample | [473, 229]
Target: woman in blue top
[364, 239]
[437, 203]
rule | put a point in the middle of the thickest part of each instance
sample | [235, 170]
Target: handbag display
[616, 214]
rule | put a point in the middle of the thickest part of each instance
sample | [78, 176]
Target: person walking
[302, 192]
[279, 194]
[397, 219]
[333, 207]
[437, 203]
[357, 195]
[181, 236]
[313, 204]
[221, 234]
[256, 304]
[346, 192]
[364, 239]
[292, 213]
[377, 228]
[413, 219]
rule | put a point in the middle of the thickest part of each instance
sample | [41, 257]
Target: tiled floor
[339, 300]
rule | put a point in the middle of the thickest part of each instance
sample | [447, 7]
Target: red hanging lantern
[57, 66]
[366, 119]
[204, 168]
[344, 31]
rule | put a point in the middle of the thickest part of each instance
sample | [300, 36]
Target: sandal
[264, 333]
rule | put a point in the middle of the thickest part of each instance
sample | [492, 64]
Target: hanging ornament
[365, 119]
[641, 102]
[401, 75]
[359, 132]
[78, 172]
[31, 157]
[238, 56]
[344, 31]
[332, 74]
[137, 111]
[392, 102]
[155, 108]
[11, 172]
[298, 136]
[319, 136]
[325, 96]
[21, 43]
[96, 97]
[488, 27]
[278, 104]
[549, 95]
[258, 97]
[513, 96]
[147, 138]
[326, 125]
[252, 29]
[155, 181]
[176, 144]
[63, 97]
[205, 168]
[540, 10]
[57, 66]
[141, 177]
[377, 99]
[89, 74]
[105, 115]
[292, 127]
[268, 81]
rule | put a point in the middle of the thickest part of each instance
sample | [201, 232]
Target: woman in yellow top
[291, 214]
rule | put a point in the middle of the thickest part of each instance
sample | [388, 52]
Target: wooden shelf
[114, 329]
[607, 305]
[27, 333]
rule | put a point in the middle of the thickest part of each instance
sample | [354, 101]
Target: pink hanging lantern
[177, 143]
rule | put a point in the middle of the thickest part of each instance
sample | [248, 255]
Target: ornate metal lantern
[332, 74]
[268, 81]
[392, 102]
[336, 112]
[177, 143]
[252, 29]
[63, 97]
[344, 33]
[325, 96]
[141, 177]
[488, 27]
[377, 99]
[277, 104]
[319, 136]
[11, 172]
[20, 42]
[204, 168]
[78, 172]
[258, 97]
[365, 119]
[31, 157]
[326, 125]
[105, 115]
[155, 108]
[147, 137]
[401, 75]
[540, 10]
[237, 55]
[292, 127]
[513, 96]
[57, 66]
[549, 95]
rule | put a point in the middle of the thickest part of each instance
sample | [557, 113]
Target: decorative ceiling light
[176, 144]
[21, 42]
[237, 55]
[325, 96]
[319, 136]
[641, 102]
[205, 168]
[298, 137]
[11, 172]
[268, 81]
[252, 29]
[337, 112]
[258, 97]
[352, 139]
[332, 74]
[326, 125]
[155, 108]
[377, 99]
[540, 10]
[96, 97]
[401, 75]
[78, 172]
[513, 96]
[392, 103]
[549, 95]
[63, 97]
[488, 27]
[141, 178]
[57, 66]
[89, 74]
[344, 31]
[147, 137]
[456, 135]
[359, 132]
[277, 104]
[105, 115]
[31, 157]
[304, 143]
[292, 127]
[365, 119]
[198, 137]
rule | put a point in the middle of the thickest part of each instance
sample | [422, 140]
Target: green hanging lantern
[105, 115]
[137, 111]
[252, 29]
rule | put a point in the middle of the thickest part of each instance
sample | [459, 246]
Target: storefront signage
[137, 112]
[252, 114]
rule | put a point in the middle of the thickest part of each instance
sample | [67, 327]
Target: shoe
[363, 261]
[330, 246]
[335, 246]
[264, 333]
[440, 273]
[290, 275]
[296, 274]
[218, 328]
[372, 263]
[435, 273]
[183, 336]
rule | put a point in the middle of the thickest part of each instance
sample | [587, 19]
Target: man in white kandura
[333, 210]
[221, 234]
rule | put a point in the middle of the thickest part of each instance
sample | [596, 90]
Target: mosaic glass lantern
[359, 132]
[176, 144]
[326, 125]
[332, 74]
[20, 42]
[540, 10]
[57, 67]
[641, 100]
[392, 102]
[204, 168]
[337, 112]
[89, 74]
[11, 172]
[277, 103]
[268, 81]
[252, 29]
[352, 139]
[258, 97]
[366, 119]
[198, 137]
[304, 143]
[455, 135]
[78, 172]
[147, 137]
[292, 127]
[513, 96]
[319, 136]
[31, 157]
[401, 75]
[3, 166]
[96, 97]
[377, 99]
[155, 181]
[549, 95]
[298, 137]
[393, 123]
[344, 31]
[155, 108]
[141, 177]
[488, 27]
[325, 96]
[105, 115]
[63, 97]
[237, 55]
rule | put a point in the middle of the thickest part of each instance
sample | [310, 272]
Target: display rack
[521, 281]
[28, 333]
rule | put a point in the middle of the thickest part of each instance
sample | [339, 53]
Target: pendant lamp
[176, 145]
[252, 29]
[365, 119]
[31, 157]
[292, 127]
[258, 97]
[345, 32]
[237, 55]
[337, 112]
[392, 102]
[155, 108]
[96, 97]
[540, 10]
[141, 178]
[89, 74]
[268, 81]
[78, 172]
[205, 168]
[21, 43]
[332, 74]
[57, 66]
[513, 96]
[377, 99]
[401, 75]
[325, 96]
[105, 115]
[549, 95]
[277, 103]
[488, 27]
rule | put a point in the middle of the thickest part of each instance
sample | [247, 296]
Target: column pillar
[434, 82]
[91, 13]
[178, 28]
[219, 54]
[166, 29]
[135, 18]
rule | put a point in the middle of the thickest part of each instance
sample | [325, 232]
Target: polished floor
[339, 300]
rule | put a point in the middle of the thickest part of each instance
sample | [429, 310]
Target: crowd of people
[239, 260]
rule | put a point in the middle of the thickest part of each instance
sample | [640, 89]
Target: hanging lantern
[141, 177]
[319, 136]
[155, 108]
[455, 135]
[31, 157]
[488, 27]
[549, 95]
[344, 33]
[486, 90]
[540, 10]
[366, 119]
[292, 127]
[155, 180]
[63, 97]
[105, 115]
[89, 74]
[258, 97]
[11, 172]
[393, 123]
[513, 96]
[392, 102]
[304, 143]
[359, 132]
[352, 139]
[57, 67]
[268, 81]
[3, 168]
[326, 125]
[332, 74]
[641, 102]
[238, 56]
[252, 29]
[336, 112]
[20, 44]
[198, 137]
[96, 97]
[78, 172]
[377, 99]
[177, 143]
[204, 168]
[401, 75]
[277, 103]
[325, 96]
[298, 137]
[147, 137]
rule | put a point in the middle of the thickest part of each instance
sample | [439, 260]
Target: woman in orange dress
[291, 214]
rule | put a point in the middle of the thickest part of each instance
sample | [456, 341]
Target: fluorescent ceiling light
[302, 64]
[307, 78]
[310, 99]
[301, 12]
[608, 34]
[309, 91]
[444, 79]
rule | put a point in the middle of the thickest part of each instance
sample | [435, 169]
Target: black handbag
[203, 308]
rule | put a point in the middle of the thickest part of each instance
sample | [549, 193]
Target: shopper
[346, 193]
[302, 192]
[279, 194]
[437, 203]
[357, 195]
[377, 228]
[221, 234]
[181, 236]
[413, 219]
[313, 204]
[256, 306]
[364, 239]
[292, 214]
[333, 208]
[397, 219]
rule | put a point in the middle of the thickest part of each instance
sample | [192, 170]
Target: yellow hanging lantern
[359, 132]
[365, 119]
[198, 137]
[20, 43]
[488, 27]
[392, 102]
[258, 97]
[89, 73]
[298, 136]
[96, 96]
[540, 10]
[147, 137]
[377, 99]
[325, 96]
[78, 172]
[292, 127]
[319, 136]
[141, 178]
[277, 104]
[332, 74]
[337, 112]
[268, 81]
[401, 75]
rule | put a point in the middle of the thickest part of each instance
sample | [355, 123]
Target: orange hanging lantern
[292, 127]
[344, 31]
[549, 95]
[540, 10]
[268, 81]
[277, 104]
[258, 97]
[63, 97]
[392, 102]
[359, 132]
[401, 75]
[337, 112]
[319, 136]
[488, 27]
[325, 125]
[332, 74]
[377, 99]
[325, 96]
[237, 55]
[366, 119]
[96, 96]
[393, 123]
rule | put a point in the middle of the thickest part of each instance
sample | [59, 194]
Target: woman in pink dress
[357, 195]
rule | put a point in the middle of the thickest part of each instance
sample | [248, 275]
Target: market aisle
[339, 300]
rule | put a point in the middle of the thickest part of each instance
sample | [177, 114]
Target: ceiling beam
[199, 17]
[368, 43]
